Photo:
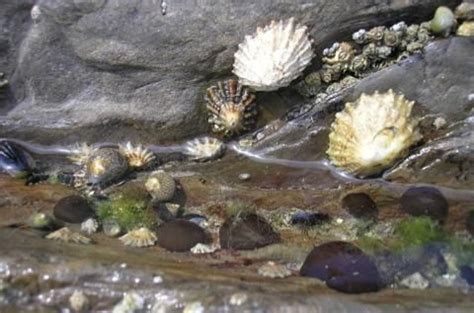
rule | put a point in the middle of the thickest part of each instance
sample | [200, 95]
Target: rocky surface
[95, 69]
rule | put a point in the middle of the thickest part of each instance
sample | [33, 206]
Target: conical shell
[142, 237]
[204, 149]
[372, 133]
[137, 156]
[274, 56]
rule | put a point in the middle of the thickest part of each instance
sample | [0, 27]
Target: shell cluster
[232, 108]
[274, 56]
[204, 149]
[66, 235]
[142, 237]
[370, 134]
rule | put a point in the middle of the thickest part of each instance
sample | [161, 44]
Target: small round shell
[274, 56]
[161, 186]
[137, 156]
[105, 166]
[142, 237]
[232, 108]
[204, 149]
[66, 235]
[274, 270]
[370, 134]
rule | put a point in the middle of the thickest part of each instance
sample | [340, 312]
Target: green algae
[129, 213]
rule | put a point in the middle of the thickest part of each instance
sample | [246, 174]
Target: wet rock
[246, 232]
[467, 273]
[137, 71]
[470, 222]
[360, 205]
[343, 267]
[180, 235]
[425, 201]
[73, 209]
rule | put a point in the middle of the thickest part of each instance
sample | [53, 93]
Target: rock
[424, 201]
[127, 70]
[180, 235]
[415, 281]
[78, 301]
[470, 222]
[73, 209]
[308, 218]
[246, 232]
[343, 267]
[360, 205]
[467, 273]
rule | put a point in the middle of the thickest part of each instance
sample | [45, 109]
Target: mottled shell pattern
[274, 56]
[105, 166]
[137, 156]
[372, 133]
[66, 235]
[204, 149]
[161, 186]
[232, 108]
[142, 237]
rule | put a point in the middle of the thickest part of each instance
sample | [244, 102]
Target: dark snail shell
[232, 108]
[14, 160]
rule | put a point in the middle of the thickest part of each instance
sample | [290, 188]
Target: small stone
[43, 221]
[111, 228]
[78, 301]
[466, 29]
[180, 235]
[425, 201]
[467, 273]
[194, 307]
[470, 222]
[244, 176]
[274, 270]
[89, 226]
[131, 302]
[360, 205]
[439, 122]
[247, 232]
[73, 209]
[238, 298]
[343, 267]
[415, 281]
[309, 218]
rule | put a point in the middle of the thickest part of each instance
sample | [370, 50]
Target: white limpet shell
[274, 56]
[204, 149]
[66, 235]
[142, 237]
[137, 156]
[201, 248]
[373, 132]
[274, 270]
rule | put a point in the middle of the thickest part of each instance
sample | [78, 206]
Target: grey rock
[89, 69]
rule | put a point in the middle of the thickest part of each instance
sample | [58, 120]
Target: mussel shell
[14, 160]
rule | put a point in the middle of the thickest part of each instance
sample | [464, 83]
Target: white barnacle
[204, 149]
[274, 56]
[137, 156]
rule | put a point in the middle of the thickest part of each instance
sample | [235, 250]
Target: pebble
[130, 303]
[360, 205]
[244, 176]
[343, 267]
[247, 232]
[180, 235]
[78, 301]
[425, 201]
[73, 209]
[238, 298]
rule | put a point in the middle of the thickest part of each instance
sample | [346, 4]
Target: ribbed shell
[370, 134]
[142, 237]
[274, 56]
[232, 108]
[137, 156]
[204, 149]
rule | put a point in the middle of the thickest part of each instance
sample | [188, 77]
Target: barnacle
[370, 134]
[274, 56]
[204, 149]
[66, 235]
[232, 108]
